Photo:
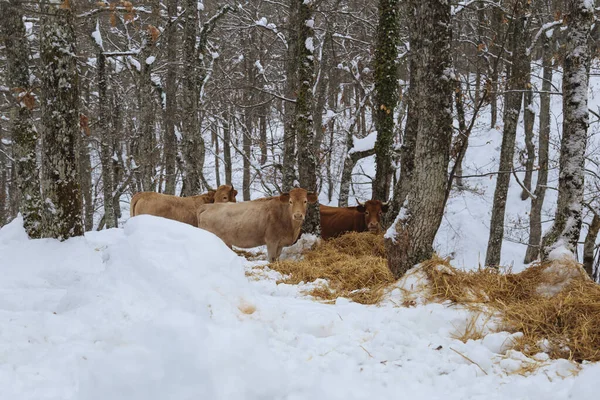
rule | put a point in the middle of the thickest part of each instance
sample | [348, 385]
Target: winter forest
[387, 199]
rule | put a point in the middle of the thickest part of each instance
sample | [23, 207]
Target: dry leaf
[154, 32]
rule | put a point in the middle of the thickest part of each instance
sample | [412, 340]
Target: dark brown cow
[336, 221]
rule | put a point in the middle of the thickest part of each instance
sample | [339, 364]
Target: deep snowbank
[162, 310]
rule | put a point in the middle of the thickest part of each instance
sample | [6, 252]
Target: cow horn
[387, 203]
[360, 204]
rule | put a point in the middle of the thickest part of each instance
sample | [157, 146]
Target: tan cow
[182, 209]
[274, 221]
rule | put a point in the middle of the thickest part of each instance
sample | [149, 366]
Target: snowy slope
[161, 310]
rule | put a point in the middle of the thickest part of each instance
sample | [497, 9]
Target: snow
[309, 44]
[366, 143]
[160, 309]
[150, 60]
[259, 67]
[97, 35]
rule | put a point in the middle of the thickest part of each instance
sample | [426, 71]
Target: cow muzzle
[374, 228]
[298, 217]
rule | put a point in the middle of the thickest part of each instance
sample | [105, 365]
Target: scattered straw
[554, 305]
[354, 266]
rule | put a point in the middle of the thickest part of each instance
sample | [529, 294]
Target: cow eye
[366, 213]
[290, 202]
[304, 201]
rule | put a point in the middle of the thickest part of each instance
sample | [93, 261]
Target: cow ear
[234, 193]
[361, 208]
[284, 197]
[384, 207]
[312, 197]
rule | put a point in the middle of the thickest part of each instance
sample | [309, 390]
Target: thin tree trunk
[386, 94]
[191, 129]
[3, 186]
[227, 148]
[104, 133]
[567, 221]
[307, 169]
[535, 216]
[262, 129]
[409, 139]
[215, 138]
[246, 143]
[291, 83]
[497, 17]
[23, 132]
[516, 83]
[170, 140]
[410, 240]
[529, 120]
[60, 118]
[463, 138]
[147, 105]
[589, 246]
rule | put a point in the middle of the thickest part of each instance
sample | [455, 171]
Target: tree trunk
[60, 118]
[227, 148]
[215, 140]
[535, 216]
[386, 94]
[307, 169]
[246, 143]
[170, 140]
[529, 120]
[463, 138]
[497, 21]
[291, 83]
[589, 246]
[567, 221]
[409, 138]
[147, 140]
[3, 184]
[192, 137]
[23, 132]
[410, 240]
[516, 83]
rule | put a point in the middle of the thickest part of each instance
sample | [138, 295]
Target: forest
[436, 108]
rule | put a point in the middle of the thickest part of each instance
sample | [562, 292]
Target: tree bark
[170, 140]
[497, 17]
[60, 118]
[516, 83]
[535, 216]
[227, 148]
[589, 246]
[191, 130]
[307, 169]
[147, 138]
[386, 94]
[291, 83]
[23, 132]
[410, 240]
[529, 120]
[567, 221]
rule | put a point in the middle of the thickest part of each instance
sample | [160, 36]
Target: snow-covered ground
[162, 310]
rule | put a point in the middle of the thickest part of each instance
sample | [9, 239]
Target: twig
[468, 359]
[533, 196]
[368, 351]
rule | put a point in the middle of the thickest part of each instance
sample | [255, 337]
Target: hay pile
[353, 264]
[554, 305]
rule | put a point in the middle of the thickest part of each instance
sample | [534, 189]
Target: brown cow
[274, 221]
[364, 217]
[182, 209]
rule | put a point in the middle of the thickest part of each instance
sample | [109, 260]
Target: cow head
[297, 200]
[373, 211]
[225, 194]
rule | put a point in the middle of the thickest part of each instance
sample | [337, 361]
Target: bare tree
[60, 119]
[410, 240]
[567, 221]
[23, 132]
[386, 94]
[516, 84]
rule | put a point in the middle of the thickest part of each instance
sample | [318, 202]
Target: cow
[274, 221]
[336, 221]
[182, 209]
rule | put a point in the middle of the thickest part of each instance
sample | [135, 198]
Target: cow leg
[273, 251]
